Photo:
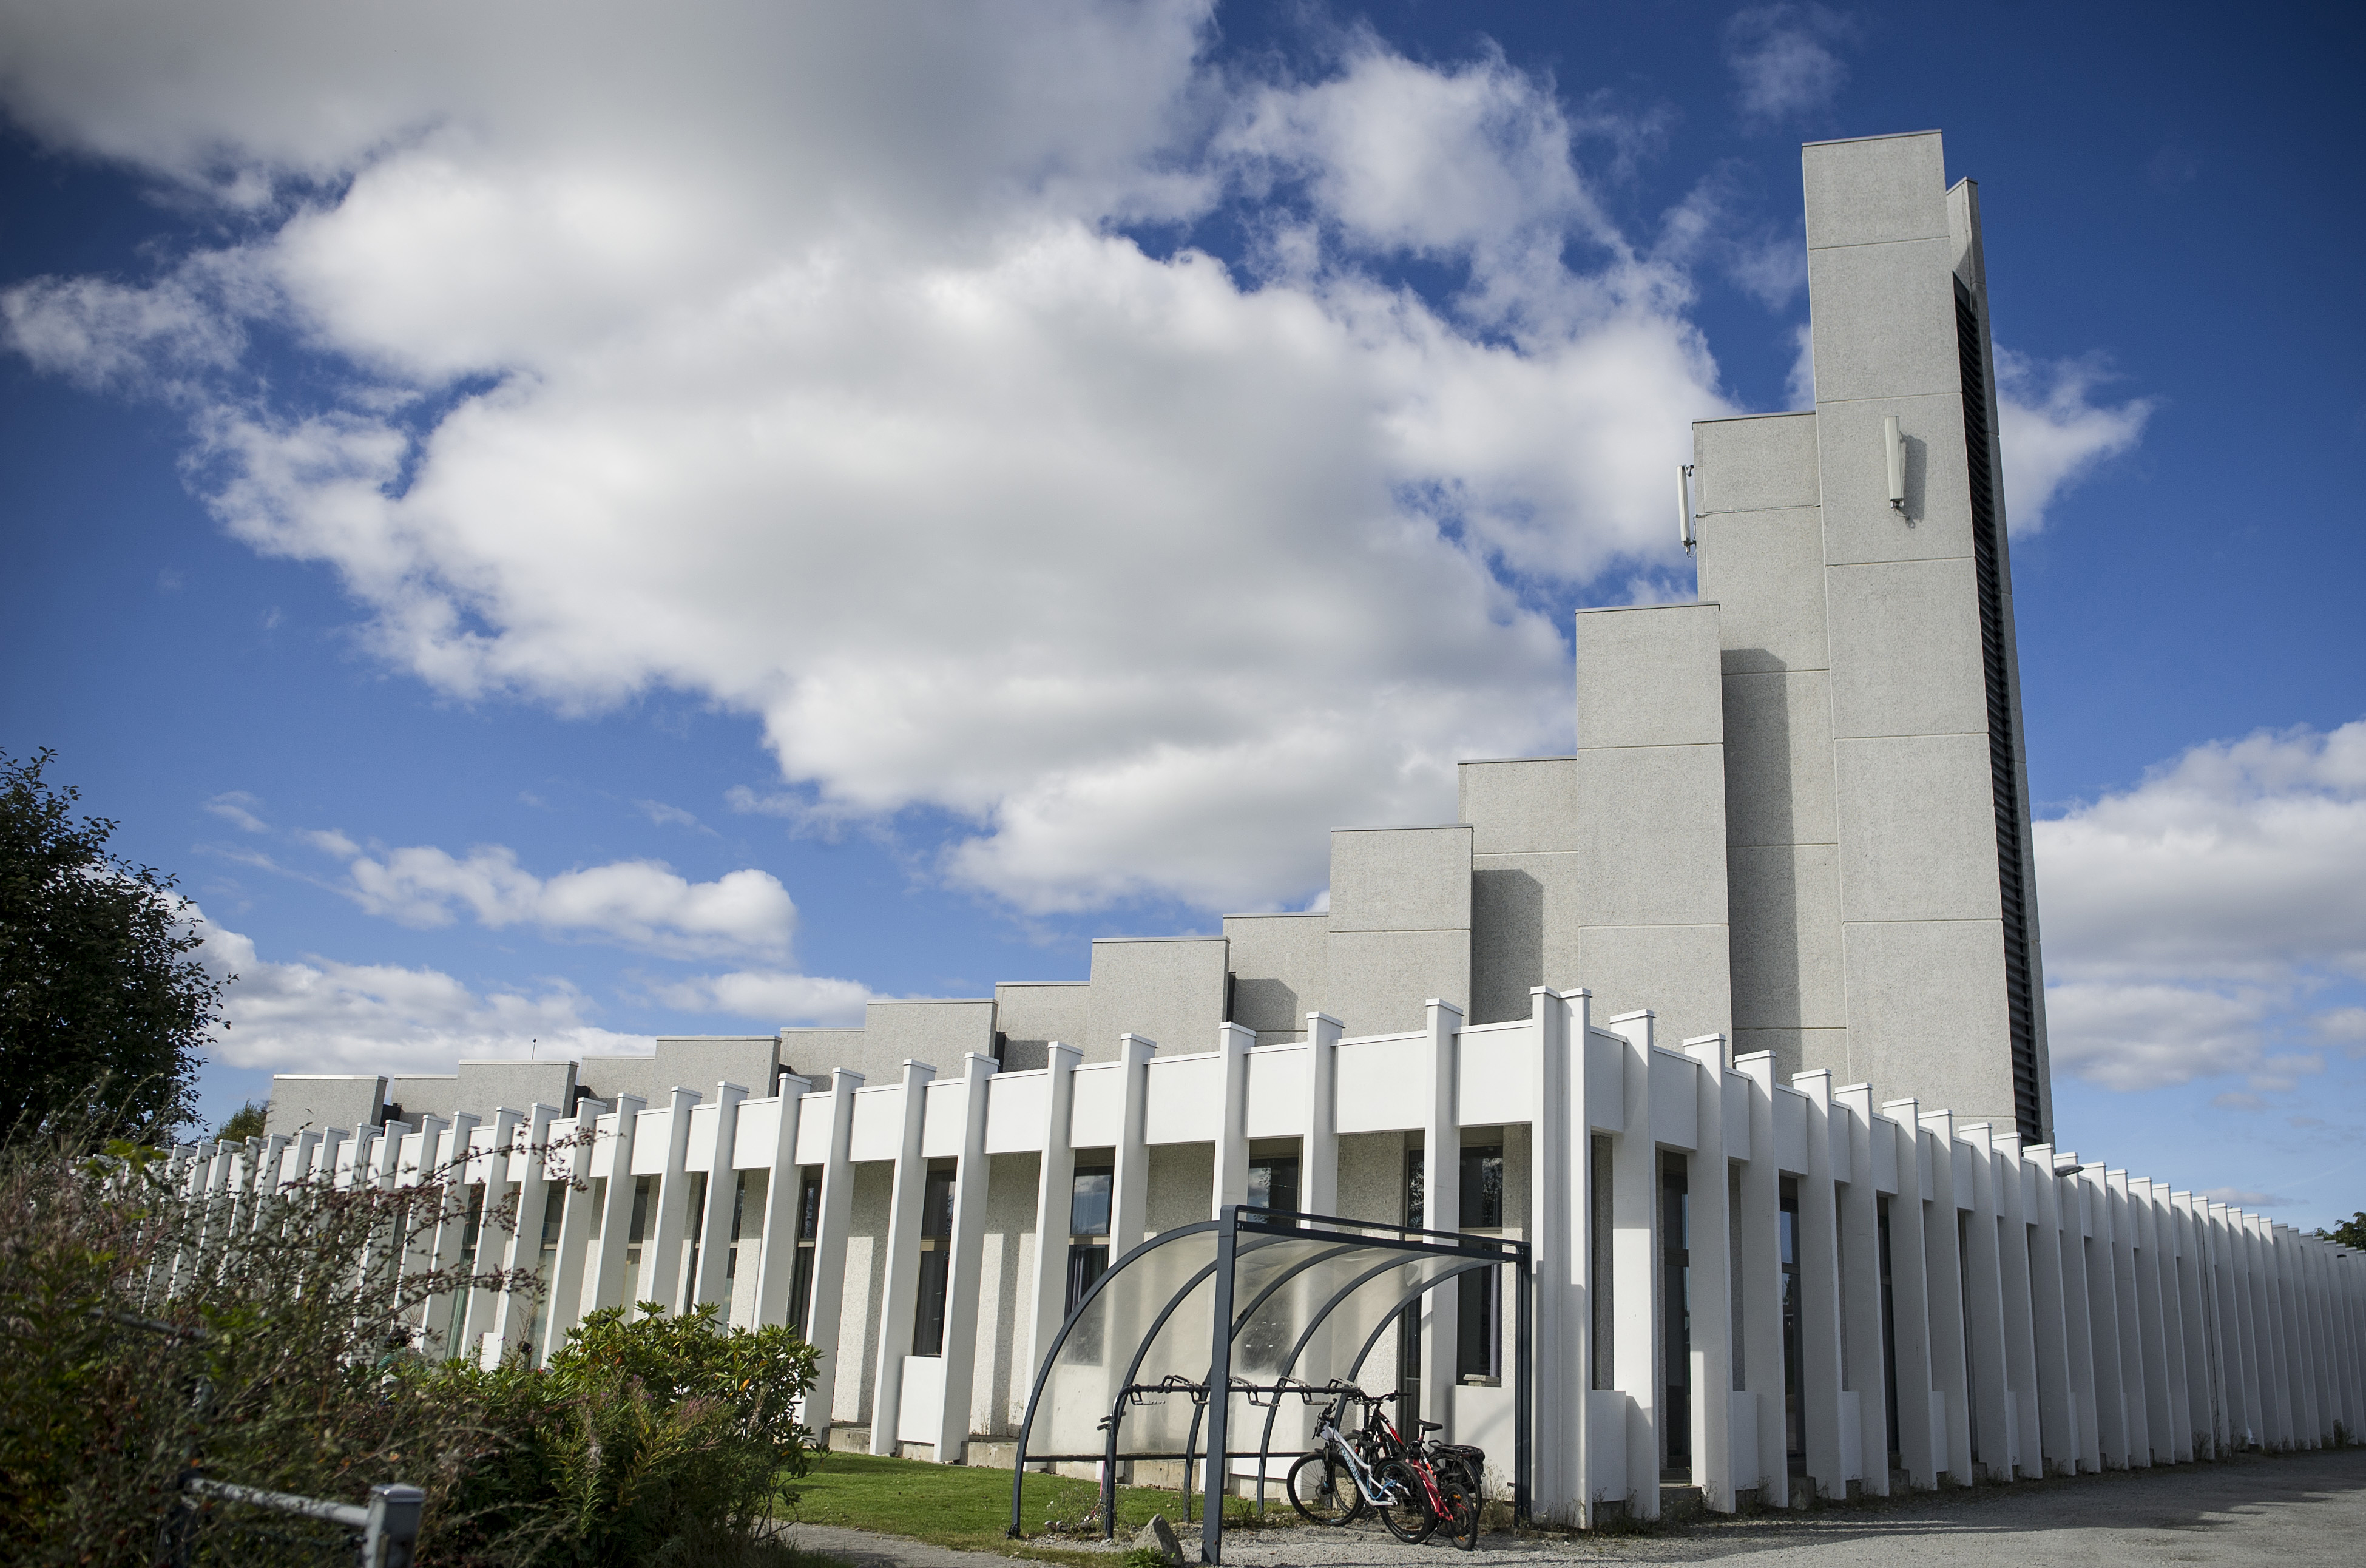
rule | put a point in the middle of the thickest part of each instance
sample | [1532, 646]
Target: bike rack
[1239, 1230]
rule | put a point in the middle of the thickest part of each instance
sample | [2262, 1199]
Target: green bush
[143, 1334]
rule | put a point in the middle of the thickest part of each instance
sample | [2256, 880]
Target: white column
[577, 1211]
[2013, 1183]
[1441, 1188]
[1635, 1268]
[669, 1206]
[1318, 1149]
[899, 1292]
[1055, 1194]
[2116, 1438]
[2078, 1310]
[722, 1190]
[1820, 1292]
[1859, 1206]
[829, 1254]
[1232, 1153]
[776, 1259]
[1709, 1248]
[1909, 1292]
[2152, 1324]
[611, 1157]
[523, 1161]
[2131, 1321]
[1942, 1259]
[970, 1183]
[1984, 1293]
[2058, 1426]
[1557, 1396]
[1762, 1282]
[488, 1168]
[1130, 1180]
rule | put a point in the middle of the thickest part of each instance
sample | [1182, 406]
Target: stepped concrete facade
[1742, 999]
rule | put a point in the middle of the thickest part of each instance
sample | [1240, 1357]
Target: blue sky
[561, 532]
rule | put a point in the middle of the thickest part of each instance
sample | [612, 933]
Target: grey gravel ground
[2301, 1509]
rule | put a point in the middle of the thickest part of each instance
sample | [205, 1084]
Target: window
[641, 1230]
[1599, 1230]
[1795, 1419]
[1088, 1207]
[553, 1207]
[1273, 1183]
[936, 1255]
[1675, 1306]
[1479, 1317]
[808, 1237]
[686, 1288]
[738, 1226]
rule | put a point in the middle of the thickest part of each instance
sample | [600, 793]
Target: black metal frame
[1257, 1227]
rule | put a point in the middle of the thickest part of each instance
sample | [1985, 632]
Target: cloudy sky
[570, 523]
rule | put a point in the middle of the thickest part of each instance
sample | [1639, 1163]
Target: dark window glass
[1675, 1305]
[801, 1293]
[1795, 1419]
[1089, 1208]
[809, 1209]
[1601, 1232]
[928, 1322]
[1088, 1261]
[1415, 1180]
[1482, 1189]
[1479, 1324]
[1273, 1183]
[937, 1208]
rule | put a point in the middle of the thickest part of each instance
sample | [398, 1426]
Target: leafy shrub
[144, 1335]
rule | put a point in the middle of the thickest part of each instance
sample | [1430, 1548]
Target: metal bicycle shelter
[1243, 1302]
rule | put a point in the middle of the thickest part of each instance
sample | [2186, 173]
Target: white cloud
[322, 1016]
[770, 997]
[237, 808]
[2189, 921]
[664, 816]
[828, 385]
[1800, 385]
[101, 334]
[1783, 60]
[641, 904]
[2054, 432]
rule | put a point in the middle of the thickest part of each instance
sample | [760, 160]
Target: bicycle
[1347, 1475]
[1449, 1473]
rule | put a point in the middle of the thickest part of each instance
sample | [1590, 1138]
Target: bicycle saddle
[1433, 1426]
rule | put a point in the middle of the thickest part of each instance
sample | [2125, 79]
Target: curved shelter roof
[1305, 1297]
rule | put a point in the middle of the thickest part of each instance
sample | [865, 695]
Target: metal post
[390, 1534]
[1219, 1384]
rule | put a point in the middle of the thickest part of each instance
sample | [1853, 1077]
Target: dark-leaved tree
[2349, 1233]
[103, 1008]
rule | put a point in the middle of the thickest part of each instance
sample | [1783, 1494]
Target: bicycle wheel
[1407, 1512]
[1461, 1521]
[1321, 1489]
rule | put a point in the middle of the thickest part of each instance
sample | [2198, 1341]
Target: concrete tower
[1882, 903]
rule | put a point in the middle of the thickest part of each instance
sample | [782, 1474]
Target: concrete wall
[1170, 989]
[1400, 926]
[1280, 964]
[314, 1101]
[1762, 560]
[938, 1033]
[1524, 816]
[1921, 929]
[486, 1086]
[1031, 1015]
[812, 1053]
[1650, 778]
[419, 1094]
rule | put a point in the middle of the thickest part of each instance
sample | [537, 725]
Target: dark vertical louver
[2012, 881]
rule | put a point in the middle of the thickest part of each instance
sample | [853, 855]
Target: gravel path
[2293, 1511]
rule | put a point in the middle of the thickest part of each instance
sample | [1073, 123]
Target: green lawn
[960, 1506]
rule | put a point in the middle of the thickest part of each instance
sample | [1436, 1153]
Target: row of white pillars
[2072, 1318]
